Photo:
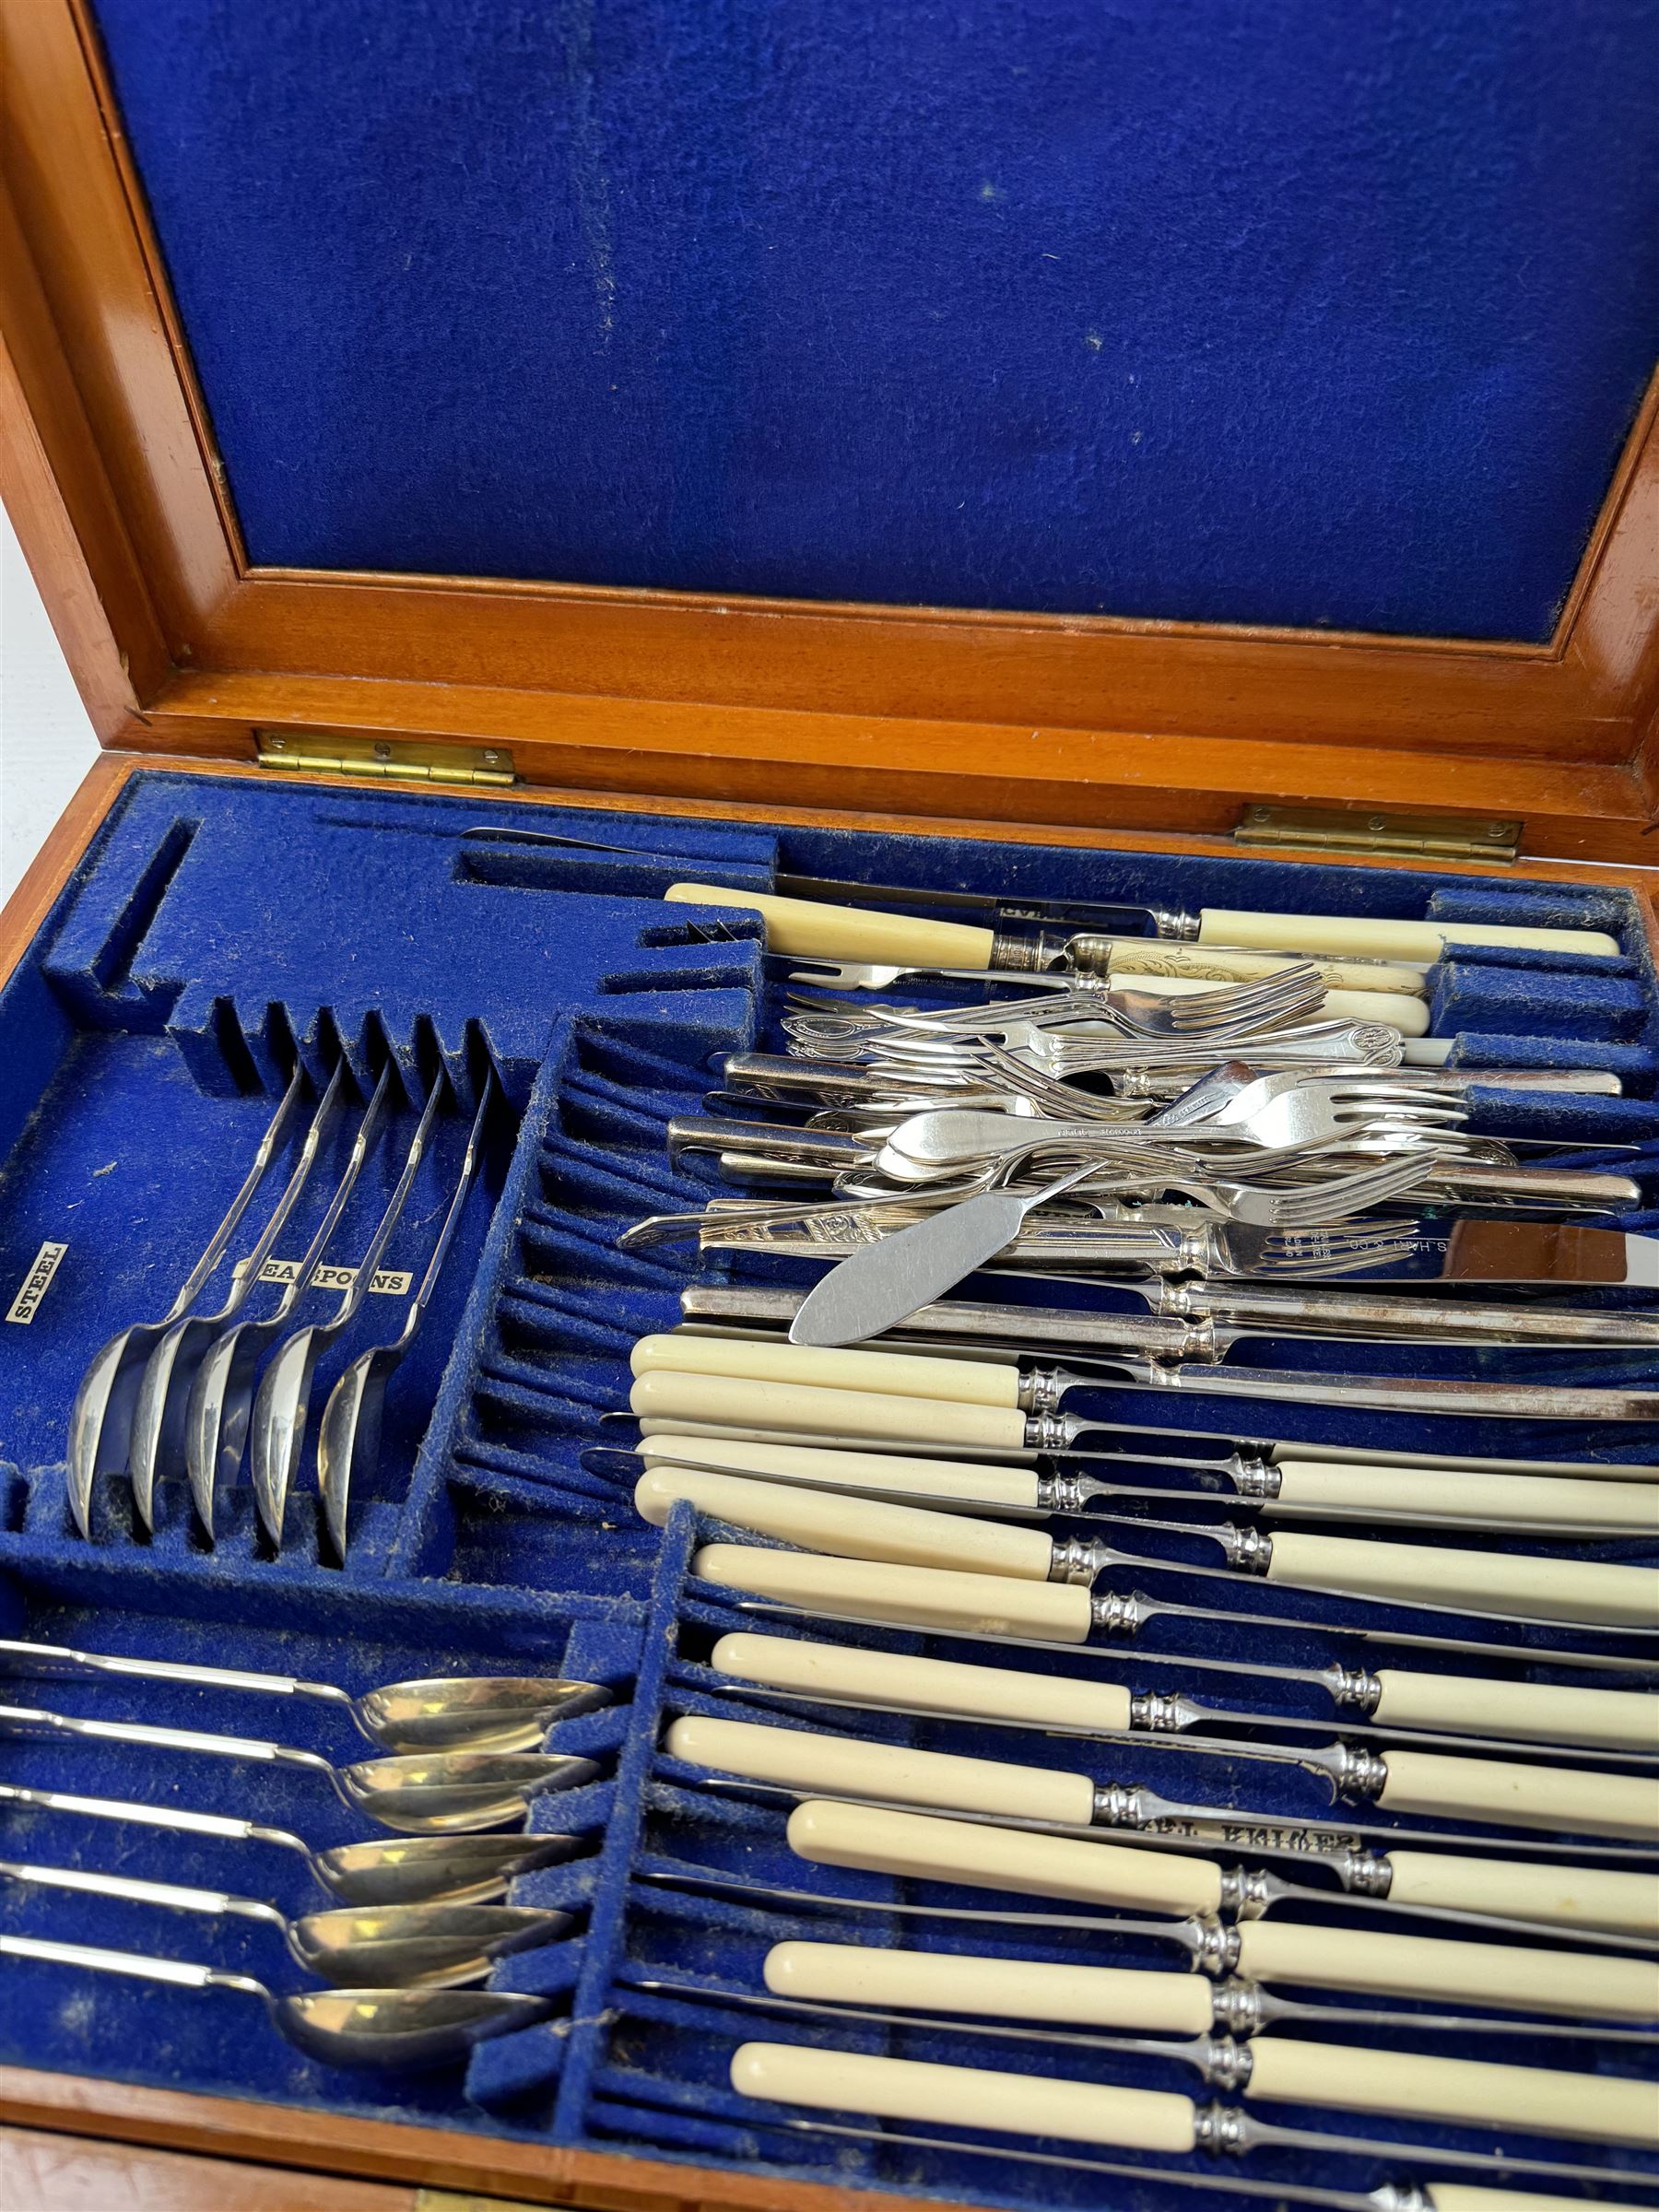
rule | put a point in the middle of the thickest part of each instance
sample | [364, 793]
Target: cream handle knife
[941, 1685]
[1501, 1792]
[904, 2089]
[1506, 1976]
[855, 1528]
[743, 1402]
[876, 1841]
[1534, 2099]
[1365, 937]
[942, 1482]
[811, 929]
[1067, 1996]
[909, 1597]
[1529, 1584]
[902, 1374]
[1013, 1989]
[844, 1765]
[910, 1844]
[1014, 1611]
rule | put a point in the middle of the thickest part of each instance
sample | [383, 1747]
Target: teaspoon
[397, 1946]
[426, 1793]
[392, 1870]
[454, 1712]
[383, 2027]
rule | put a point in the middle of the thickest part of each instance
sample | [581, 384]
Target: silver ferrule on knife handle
[1163, 1711]
[1076, 1559]
[1023, 953]
[1215, 1947]
[1117, 1613]
[1252, 1479]
[1041, 1390]
[1090, 951]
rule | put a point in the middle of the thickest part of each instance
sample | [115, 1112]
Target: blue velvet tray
[214, 928]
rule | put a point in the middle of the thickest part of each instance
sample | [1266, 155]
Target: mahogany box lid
[1016, 415]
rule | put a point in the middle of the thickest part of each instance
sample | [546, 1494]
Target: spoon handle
[32, 1723]
[147, 1815]
[50, 1662]
[136, 1963]
[96, 1883]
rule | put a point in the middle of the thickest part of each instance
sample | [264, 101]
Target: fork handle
[809, 929]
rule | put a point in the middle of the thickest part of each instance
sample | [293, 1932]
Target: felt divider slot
[646, 2070]
[556, 1306]
[362, 1638]
[153, 1018]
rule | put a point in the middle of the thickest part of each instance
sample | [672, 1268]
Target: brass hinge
[406, 759]
[1363, 830]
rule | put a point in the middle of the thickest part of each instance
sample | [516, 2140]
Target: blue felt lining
[140, 1041]
[1247, 314]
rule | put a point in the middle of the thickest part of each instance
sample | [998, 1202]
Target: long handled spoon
[388, 2029]
[426, 1793]
[390, 1870]
[157, 1434]
[1589, 1991]
[395, 1946]
[454, 1712]
[1509, 1585]
[100, 1421]
[349, 1434]
[283, 1402]
[1403, 2084]
[221, 1397]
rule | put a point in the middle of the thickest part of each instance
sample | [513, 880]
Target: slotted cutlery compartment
[220, 933]
[726, 1869]
[100, 1806]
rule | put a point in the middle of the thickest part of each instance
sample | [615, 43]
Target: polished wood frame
[107, 462]
[1151, 735]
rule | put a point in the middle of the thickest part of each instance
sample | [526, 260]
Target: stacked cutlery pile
[914, 1554]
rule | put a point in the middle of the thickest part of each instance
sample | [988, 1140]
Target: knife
[1479, 1249]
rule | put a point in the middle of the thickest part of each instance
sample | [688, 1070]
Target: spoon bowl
[455, 1870]
[438, 1792]
[473, 1713]
[416, 1946]
[394, 2029]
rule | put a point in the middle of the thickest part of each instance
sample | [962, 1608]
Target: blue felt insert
[1258, 312]
[142, 1041]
